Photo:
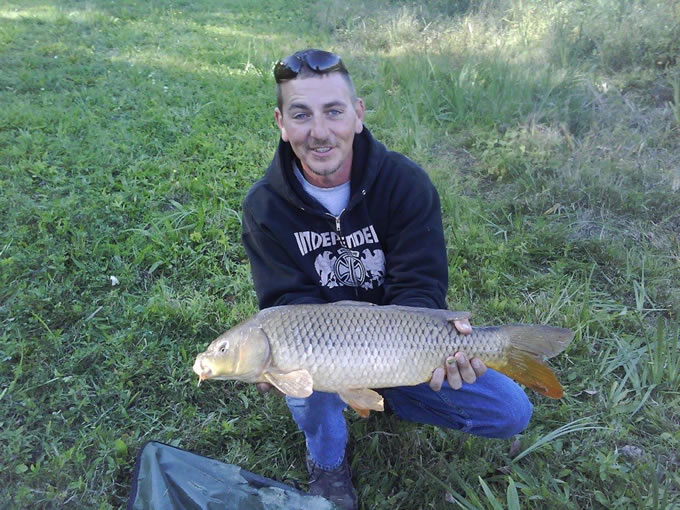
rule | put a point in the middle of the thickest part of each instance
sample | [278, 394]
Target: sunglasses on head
[317, 60]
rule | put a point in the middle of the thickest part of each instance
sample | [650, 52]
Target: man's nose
[319, 128]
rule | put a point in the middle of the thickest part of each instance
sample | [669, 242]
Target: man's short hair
[310, 63]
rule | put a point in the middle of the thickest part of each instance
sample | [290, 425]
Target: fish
[353, 348]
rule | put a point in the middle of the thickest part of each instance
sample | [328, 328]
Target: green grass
[130, 132]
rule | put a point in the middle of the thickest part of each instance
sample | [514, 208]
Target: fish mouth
[202, 372]
[203, 376]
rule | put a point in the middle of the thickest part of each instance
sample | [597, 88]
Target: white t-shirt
[334, 199]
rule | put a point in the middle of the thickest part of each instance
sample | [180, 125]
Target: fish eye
[224, 347]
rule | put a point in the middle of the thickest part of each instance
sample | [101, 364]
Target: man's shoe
[336, 486]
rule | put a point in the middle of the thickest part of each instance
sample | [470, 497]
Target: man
[339, 217]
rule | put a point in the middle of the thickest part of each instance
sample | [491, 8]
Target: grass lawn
[130, 132]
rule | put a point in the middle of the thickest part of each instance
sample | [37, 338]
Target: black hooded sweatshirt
[386, 247]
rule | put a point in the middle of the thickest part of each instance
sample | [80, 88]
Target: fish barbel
[349, 347]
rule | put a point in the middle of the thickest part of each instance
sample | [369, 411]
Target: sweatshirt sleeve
[277, 279]
[416, 264]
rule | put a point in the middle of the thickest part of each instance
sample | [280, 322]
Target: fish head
[242, 353]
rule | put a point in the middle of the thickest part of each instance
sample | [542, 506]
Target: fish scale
[351, 347]
[360, 347]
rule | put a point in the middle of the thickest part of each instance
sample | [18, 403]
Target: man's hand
[458, 367]
[263, 387]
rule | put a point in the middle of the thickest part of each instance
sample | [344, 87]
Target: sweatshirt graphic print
[354, 260]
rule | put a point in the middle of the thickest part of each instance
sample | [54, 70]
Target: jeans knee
[516, 415]
[493, 407]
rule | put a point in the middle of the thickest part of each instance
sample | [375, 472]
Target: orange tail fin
[527, 351]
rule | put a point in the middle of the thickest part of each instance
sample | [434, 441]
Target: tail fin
[527, 351]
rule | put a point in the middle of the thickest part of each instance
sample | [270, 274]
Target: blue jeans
[494, 406]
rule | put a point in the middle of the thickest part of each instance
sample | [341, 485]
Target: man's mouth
[321, 150]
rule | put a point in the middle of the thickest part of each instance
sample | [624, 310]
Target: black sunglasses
[318, 61]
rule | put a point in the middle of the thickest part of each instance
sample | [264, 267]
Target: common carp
[349, 347]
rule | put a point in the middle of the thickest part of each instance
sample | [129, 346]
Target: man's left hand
[458, 368]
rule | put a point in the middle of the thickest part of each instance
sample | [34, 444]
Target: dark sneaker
[335, 486]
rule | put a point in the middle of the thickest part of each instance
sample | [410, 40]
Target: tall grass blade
[460, 500]
[493, 501]
[512, 496]
[575, 426]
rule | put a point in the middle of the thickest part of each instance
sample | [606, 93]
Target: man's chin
[322, 171]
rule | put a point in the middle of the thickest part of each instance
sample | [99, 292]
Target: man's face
[319, 119]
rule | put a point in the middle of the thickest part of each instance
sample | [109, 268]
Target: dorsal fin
[446, 315]
[349, 302]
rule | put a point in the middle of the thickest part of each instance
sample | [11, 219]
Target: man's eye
[334, 113]
[300, 116]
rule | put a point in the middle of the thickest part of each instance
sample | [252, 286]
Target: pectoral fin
[297, 383]
[363, 400]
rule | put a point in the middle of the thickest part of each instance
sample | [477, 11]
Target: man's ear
[360, 110]
[278, 116]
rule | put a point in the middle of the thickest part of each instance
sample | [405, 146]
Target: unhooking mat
[169, 478]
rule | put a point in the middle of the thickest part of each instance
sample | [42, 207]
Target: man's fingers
[465, 369]
[263, 387]
[478, 366]
[437, 379]
[453, 374]
[458, 370]
[463, 326]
